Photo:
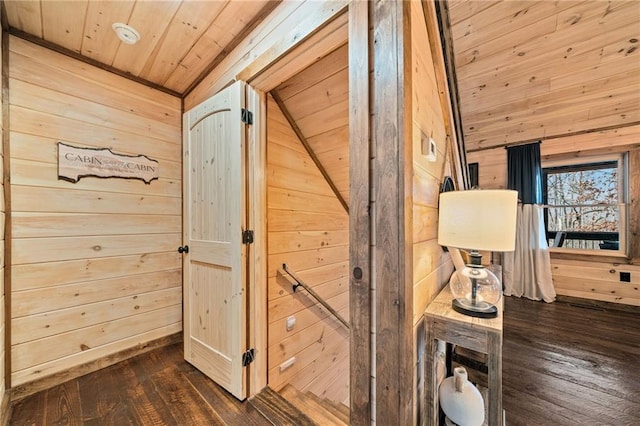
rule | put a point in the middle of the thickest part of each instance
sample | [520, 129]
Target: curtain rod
[522, 144]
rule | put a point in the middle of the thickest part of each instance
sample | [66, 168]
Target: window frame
[584, 162]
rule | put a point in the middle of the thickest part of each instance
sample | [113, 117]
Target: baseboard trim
[597, 304]
[30, 388]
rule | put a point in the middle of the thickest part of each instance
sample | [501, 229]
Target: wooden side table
[478, 334]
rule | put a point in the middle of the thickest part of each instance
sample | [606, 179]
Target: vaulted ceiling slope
[317, 101]
[179, 40]
[530, 70]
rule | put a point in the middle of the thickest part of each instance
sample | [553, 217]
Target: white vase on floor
[460, 400]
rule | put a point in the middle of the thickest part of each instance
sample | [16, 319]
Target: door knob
[183, 249]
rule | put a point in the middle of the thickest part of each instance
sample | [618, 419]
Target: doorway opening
[307, 178]
[295, 201]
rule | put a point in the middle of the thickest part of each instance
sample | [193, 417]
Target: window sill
[589, 255]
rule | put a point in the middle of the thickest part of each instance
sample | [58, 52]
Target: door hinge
[247, 116]
[248, 356]
[247, 237]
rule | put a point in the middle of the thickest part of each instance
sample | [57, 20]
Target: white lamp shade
[478, 219]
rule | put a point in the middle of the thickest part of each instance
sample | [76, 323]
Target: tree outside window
[583, 202]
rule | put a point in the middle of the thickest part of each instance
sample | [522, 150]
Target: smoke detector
[126, 33]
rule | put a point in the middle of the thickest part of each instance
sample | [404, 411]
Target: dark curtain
[524, 173]
[527, 270]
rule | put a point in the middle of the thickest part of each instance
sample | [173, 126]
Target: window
[585, 203]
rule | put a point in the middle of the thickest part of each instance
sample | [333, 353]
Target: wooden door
[214, 220]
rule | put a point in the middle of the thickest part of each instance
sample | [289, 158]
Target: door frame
[256, 220]
[287, 57]
[261, 77]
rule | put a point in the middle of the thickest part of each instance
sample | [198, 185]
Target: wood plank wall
[318, 100]
[94, 264]
[3, 404]
[584, 276]
[432, 267]
[531, 70]
[308, 230]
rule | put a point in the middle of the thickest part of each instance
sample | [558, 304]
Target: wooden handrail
[315, 295]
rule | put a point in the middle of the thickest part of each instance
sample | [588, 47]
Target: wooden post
[634, 205]
[7, 208]
[256, 220]
[392, 213]
[359, 217]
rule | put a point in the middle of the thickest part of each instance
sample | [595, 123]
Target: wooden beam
[307, 147]
[3, 17]
[280, 33]
[289, 38]
[634, 205]
[392, 213]
[7, 209]
[256, 220]
[266, 10]
[359, 219]
[86, 60]
[305, 54]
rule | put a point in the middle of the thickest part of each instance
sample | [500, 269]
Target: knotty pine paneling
[318, 100]
[588, 277]
[428, 121]
[596, 280]
[94, 266]
[309, 231]
[531, 70]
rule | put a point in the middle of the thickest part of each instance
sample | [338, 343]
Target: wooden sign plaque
[75, 163]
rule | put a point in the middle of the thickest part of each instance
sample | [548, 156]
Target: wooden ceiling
[530, 70]
[180, 39]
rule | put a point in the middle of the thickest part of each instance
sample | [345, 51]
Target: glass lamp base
[464, 308]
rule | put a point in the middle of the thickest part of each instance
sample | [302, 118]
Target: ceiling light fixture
[126, 33]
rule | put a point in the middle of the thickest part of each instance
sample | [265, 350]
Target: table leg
[494, 359]
[431, 380]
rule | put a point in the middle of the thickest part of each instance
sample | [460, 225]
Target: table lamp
[477, 220]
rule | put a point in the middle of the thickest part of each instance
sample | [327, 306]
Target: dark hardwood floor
[563, 364]
[156, 388]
